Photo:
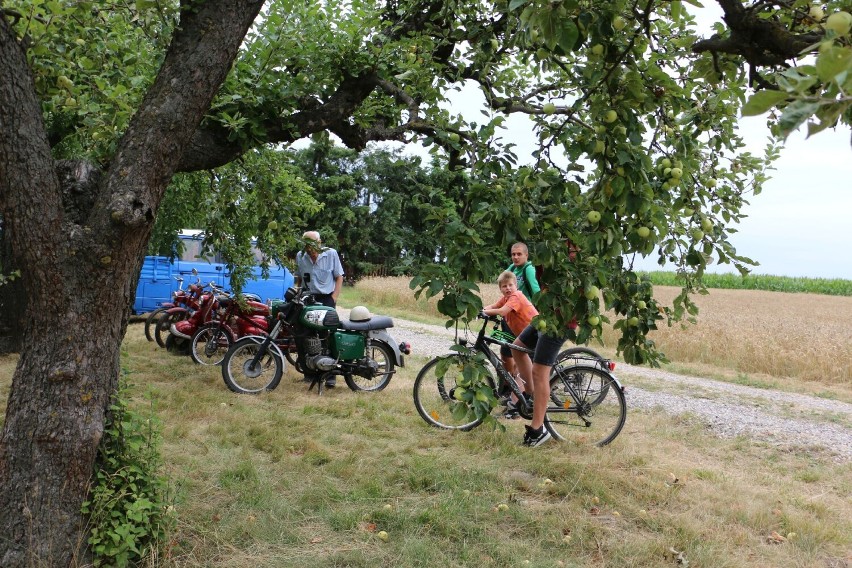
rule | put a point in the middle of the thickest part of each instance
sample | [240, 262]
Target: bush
[127, 509]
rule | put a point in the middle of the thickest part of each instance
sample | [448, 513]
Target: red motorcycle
[187, 299]
[233, 318]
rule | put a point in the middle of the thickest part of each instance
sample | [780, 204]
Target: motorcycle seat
[375, 322]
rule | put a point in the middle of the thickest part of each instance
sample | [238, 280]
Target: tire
[177, 345]
[151, 322]
[384, 357]
[243, 380]
[164, 324]
[598, 414]
[583, 356]
[210, 344]
[433, 395]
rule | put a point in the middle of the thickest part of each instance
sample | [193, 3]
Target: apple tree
[102, 103]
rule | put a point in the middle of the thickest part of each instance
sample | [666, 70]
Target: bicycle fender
[617, 382]
[384, 337]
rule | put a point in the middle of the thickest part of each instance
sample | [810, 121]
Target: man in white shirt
[319, 270]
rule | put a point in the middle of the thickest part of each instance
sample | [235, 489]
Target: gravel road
[788, 420]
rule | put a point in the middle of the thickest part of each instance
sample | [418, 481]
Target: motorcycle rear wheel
[384, 357]
[210, 344]
[240, 377]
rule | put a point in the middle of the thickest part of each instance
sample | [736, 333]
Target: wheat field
[807, 337]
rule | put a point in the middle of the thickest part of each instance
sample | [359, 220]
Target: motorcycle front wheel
[164, 325]
[244, 374]
[385, 364]
[210, 344]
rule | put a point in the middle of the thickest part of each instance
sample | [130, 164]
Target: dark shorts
[545, 347]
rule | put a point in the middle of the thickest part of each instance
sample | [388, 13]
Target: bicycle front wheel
[586, 405]
[434, 394]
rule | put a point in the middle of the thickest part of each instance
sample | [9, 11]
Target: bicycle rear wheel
[577, 356]
[596, 411]
[434, 394]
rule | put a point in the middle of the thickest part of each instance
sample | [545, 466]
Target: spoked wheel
[151, 322]
[593, 413]
[381, 359]
[434, 392]
[245, 373]
[583, 356]
[210, 344]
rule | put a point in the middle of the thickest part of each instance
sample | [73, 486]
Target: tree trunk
[79, 265]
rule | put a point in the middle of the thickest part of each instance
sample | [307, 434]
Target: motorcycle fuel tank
[319, 317]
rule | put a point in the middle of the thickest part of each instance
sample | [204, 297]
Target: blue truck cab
[157, 280]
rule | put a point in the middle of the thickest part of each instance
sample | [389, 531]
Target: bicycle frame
[524, 405]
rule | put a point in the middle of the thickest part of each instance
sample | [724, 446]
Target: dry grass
[290, 478]
[805, 337]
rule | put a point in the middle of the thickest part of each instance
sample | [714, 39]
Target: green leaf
[795, 114]
[762, 101]
[515, 4]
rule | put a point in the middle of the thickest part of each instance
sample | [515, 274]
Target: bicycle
[586, 404]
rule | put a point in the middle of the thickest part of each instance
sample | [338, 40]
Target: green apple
[541, 325]
[711, 183]
[618, 23]
[665, 163]
[459, 393]
[688, 212]
[383, 535]
[494, 44]
[610, 116]
[633, 322]
[697, 234]
[641, 305]
[549, 108]
[620, 171]
[453, 136]
[593, 216]
[600, 129]
[643, 232]
[272, 225]
[816, 13]
[676, 173]
[706, 225]
[592, 292]
[600, 147]
[597, 49]
[594, 320]
[839, 22]
[667, 172]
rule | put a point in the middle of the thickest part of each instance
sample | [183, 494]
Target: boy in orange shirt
[518, 312]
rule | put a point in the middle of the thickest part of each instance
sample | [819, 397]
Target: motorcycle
[186, 299]
[233, 318]
[359, 349]
[213, 307]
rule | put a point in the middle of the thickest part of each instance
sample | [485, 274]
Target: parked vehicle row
[253, 340]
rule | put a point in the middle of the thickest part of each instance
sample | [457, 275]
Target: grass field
[290, 478]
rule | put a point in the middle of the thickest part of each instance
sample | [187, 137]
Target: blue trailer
[157, 280]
